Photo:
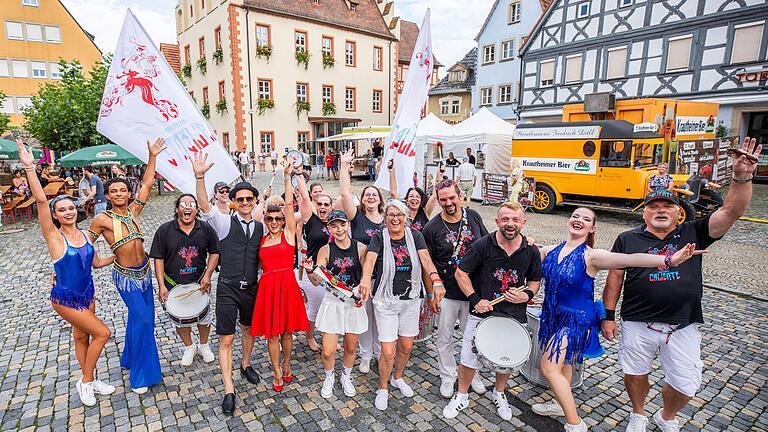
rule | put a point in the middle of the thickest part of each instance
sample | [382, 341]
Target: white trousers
[369, 341]
[450, 312]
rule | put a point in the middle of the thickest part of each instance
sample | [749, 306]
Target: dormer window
[457, 76]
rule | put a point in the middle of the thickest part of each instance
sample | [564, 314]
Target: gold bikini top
[117, 229]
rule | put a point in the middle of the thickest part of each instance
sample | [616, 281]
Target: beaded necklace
[459, 238]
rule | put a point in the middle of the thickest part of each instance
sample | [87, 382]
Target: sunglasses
[241, 200]
[442, 184]
[224, 190]
[323, 205]
[274, 218]
[188, 204]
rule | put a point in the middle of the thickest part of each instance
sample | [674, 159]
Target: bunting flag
[400, 144]
[144, 100]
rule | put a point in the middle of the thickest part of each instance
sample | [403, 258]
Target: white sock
[329, 373]
[463, 396]
[347, 371]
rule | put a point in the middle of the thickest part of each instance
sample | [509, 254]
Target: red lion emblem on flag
[138, 72]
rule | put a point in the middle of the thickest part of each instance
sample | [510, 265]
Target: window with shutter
[678, 53]
[746, 43]
[547, 73]
[573, 69]
[617, 63]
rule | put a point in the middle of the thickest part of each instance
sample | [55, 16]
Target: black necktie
[247, 228]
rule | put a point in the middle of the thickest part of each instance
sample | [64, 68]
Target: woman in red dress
[279, 309]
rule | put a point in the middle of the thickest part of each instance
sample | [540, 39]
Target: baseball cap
[661, 194]
[337, 215]
[220, 185]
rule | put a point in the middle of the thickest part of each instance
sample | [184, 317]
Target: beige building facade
[451, 99]
[281, 74]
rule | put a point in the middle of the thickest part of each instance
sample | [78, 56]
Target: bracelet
[668, 261]
[474, 299]
[433, 273]
[139, 202]
[530, 294]
[200, 178]
[610, 315]
[29, 167]
[741, 180]
[429, 295]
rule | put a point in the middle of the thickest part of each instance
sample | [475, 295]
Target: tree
[5, 119]
[63, 114]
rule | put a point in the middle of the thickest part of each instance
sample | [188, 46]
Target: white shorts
[680, 353]
[468, 357]
[340, 317]
[400, 320]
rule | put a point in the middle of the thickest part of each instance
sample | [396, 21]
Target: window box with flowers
[302, 106]
[206, 110]
[328, 61]
[302, 57]
[264, 51]
[218, 55]
[329, 108]
[221, 106]
[186, 70]
[202, 65]
[264, 105]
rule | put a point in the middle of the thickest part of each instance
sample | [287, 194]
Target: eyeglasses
[323, 204]
[274, 218]
[188, 204]
[395, 215]
[371, 194]
[442, 184]
[241, 200]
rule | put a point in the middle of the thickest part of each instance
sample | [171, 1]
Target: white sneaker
[85, 390]
[502, 406]
[347, 385]
[382, 397]
[550, 408]
[140, 390]
[457, 403]
[327, 390]
[637, 423]
[102, 388]
[189, 355]
[206, 353]
[446, 388]
[581, 427]
[477, 384]
[365, 366]
[666, 425]
[401, 385]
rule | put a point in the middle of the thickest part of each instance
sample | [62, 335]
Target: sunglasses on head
[244, 199]
[274, 218]
[442, 184]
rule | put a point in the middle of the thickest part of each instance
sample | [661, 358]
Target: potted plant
[218, 55]
[328, 60]
[301, 106]
[265, 104]
[206, 110]
[302, 57]
[186, 70]
[329, 109]
[221, 106]
[264, 51]
[202, 65]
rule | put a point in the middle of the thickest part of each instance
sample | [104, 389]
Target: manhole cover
[11, 231]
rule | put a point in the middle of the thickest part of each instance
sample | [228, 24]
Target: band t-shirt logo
[660, 294]
[188, 254]
[342, 264]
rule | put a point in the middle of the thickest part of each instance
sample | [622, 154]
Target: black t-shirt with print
[421, 219]
[440, 235]
[345, 263]
[316, 235]
[184, 256]
[363, 229]
[492, 272]
[402, 280]
[663, 294]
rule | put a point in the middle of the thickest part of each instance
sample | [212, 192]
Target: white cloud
[104, 19]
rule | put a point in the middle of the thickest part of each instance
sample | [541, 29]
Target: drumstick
[500, 299]
[185, 295]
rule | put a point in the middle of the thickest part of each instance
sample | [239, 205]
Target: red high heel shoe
[288, 378]
[277, 387]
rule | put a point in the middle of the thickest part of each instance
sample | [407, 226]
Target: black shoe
[250, 374]
[228, 406]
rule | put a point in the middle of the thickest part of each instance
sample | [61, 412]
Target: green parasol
[9, 150]
[107, 154]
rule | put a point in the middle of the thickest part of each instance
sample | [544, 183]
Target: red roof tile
[366, 18]
[409, 32]
[171, 54]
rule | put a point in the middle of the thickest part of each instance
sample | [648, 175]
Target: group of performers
[273, 255]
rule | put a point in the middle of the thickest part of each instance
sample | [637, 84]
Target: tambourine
[297, 156]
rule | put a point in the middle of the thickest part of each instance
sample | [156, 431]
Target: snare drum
[501, 344]
[187, 305]
[532, 368]
[427, 321]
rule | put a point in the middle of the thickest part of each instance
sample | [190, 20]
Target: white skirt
[338, 317]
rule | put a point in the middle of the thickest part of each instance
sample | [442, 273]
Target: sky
[452, 37]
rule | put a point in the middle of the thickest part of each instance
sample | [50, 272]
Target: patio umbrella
[107, 154]
[9, 150]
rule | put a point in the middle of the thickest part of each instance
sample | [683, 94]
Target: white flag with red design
[144, 100]
[400, 145]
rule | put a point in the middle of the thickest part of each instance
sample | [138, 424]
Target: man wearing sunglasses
[448, 236]
[221, 198]
[239, 239]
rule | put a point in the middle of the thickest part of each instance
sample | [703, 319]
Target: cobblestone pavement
[39, 369]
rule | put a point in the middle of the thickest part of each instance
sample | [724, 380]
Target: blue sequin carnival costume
[74, 281]
[135, 287]
[569, 308]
